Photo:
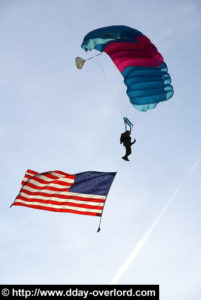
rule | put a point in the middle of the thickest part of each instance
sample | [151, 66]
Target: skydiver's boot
[125, 158]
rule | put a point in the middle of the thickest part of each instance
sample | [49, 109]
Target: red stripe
[49, 175]
[59, 203]
[40, 180]
[61, 196]
[62, 183]
[29, 176]
[60, 210]
[64, 174]
[50, 188]
[31, 171]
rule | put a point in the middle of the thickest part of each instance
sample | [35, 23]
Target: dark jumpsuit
[126, 140]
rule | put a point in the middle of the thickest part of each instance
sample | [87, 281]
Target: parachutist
[126, 140]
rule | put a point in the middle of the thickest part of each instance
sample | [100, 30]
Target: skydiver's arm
[133, 142]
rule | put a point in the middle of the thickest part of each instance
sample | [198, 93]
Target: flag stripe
[38, 181]
[33, 192]
[62, 210]
[61, 201]
[48, 176]
[49, 186]
[49, 205]
[38, 196]
[31, 172]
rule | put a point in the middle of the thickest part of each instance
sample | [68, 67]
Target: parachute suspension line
[93, 56]
[113, 94]
[104, 74]
[108, 81]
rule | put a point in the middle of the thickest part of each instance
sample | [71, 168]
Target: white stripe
[81, 209]
[56, 185]
[59, 176]
[60, 200]
[30, 173]
[43, 190]
[68, 180]
[62, 193]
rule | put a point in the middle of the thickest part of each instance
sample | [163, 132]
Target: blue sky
[54, 117]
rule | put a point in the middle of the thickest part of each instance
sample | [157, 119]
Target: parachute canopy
[142, 66]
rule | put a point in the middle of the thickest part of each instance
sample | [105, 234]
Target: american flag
[83, 193]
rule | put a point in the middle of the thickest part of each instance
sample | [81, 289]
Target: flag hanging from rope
[83, 193]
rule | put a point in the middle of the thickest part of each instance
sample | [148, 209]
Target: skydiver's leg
[128, 152]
